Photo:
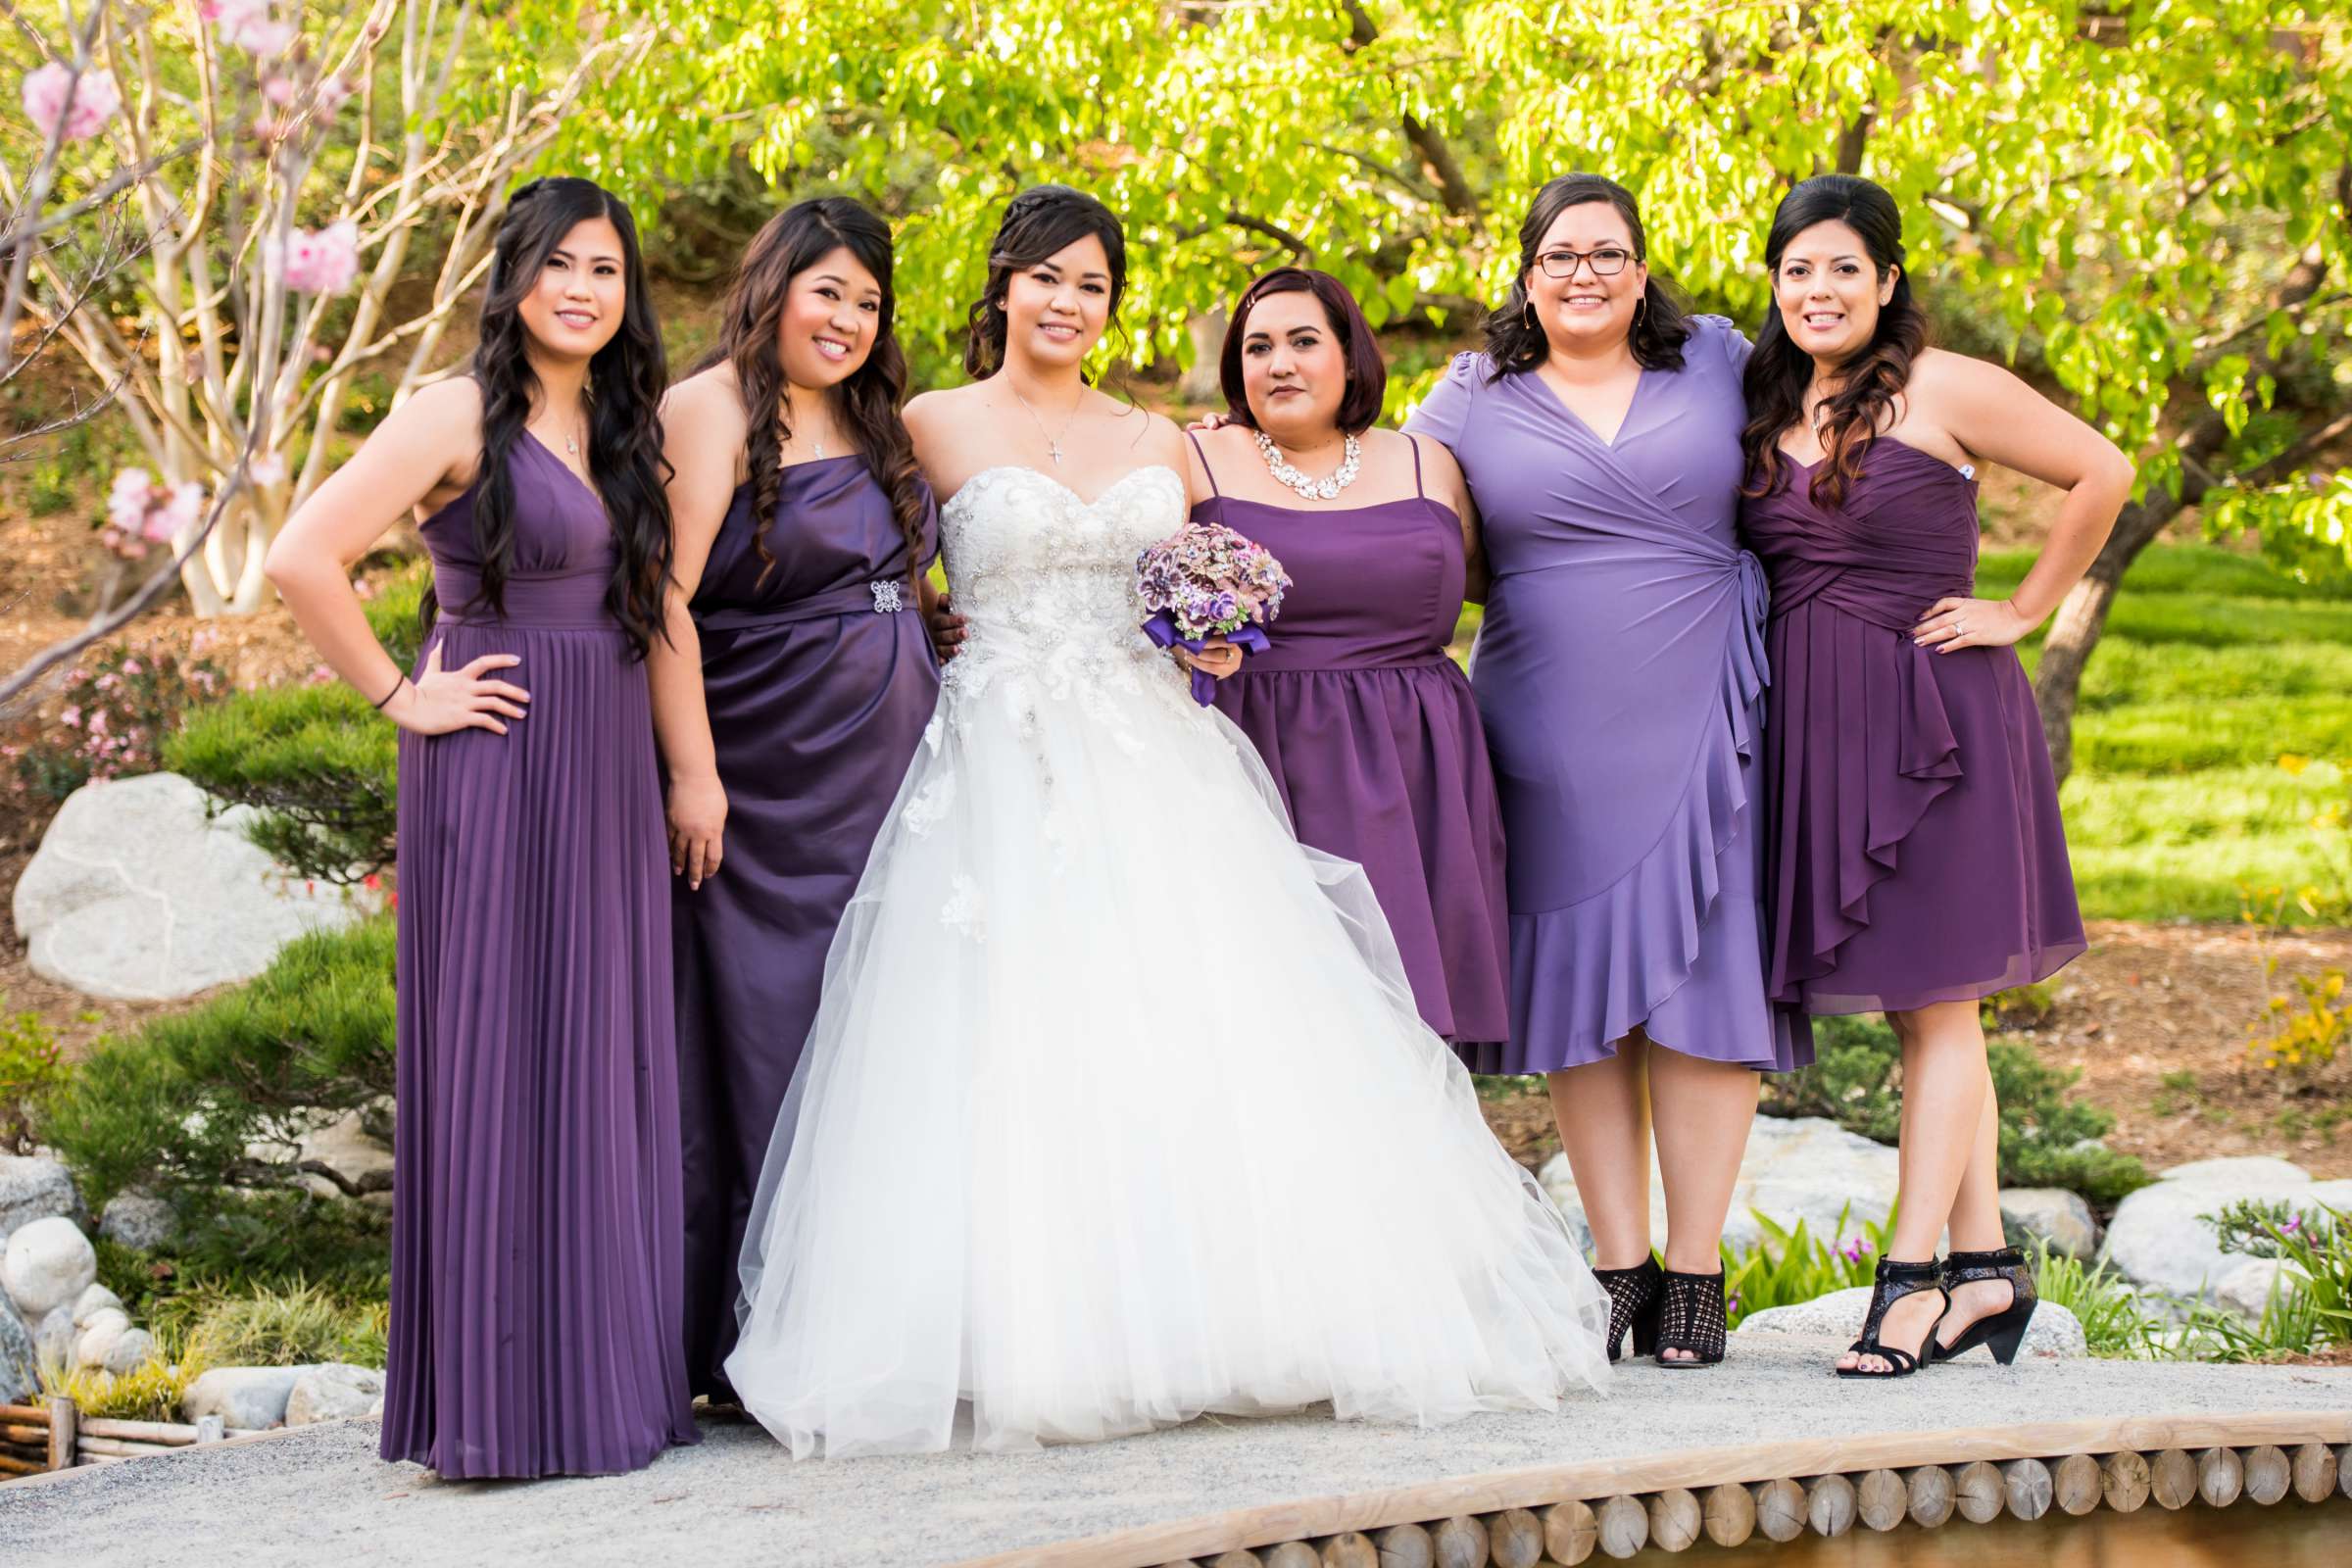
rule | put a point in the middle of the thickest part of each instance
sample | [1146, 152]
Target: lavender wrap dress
[1917, 852]
[819, 678]
[1621, 675]
[1373, 738]
[535, 1224]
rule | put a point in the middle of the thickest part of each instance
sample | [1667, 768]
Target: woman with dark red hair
[1369, 729]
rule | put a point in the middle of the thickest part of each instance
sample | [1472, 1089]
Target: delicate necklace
[816, 443]
[1053, 441]
[1323, 489]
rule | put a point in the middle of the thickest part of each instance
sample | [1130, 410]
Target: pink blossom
[70, 717]
[266, 467]
[333, 93]
[278, 90]
[95, 100]
[246, 25]
[131, 667]
[180, 509]
[320, 263]
[127, 499]
[97, 721]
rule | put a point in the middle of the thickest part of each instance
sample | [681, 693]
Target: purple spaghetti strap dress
[1374, 739]
[1621, 675]
[1918, 855]
[819, 680]
[535, 1227]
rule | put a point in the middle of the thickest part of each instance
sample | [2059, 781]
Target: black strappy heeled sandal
[1895, 1281]
[1692, 1318]
[1635, 1295]
[2004, 1331]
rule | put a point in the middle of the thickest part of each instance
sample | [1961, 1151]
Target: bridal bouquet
[1208, 581]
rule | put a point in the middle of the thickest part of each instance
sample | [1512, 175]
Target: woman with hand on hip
[535, 1208]
[1365, 723]
[1918, 860]
[794, 684]
[1620, 671]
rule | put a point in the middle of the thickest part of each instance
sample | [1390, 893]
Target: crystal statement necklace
[1323, 489]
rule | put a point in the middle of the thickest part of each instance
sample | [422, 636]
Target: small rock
[96, 1337]
[345, 1146]
[53, 1337]
[139, 1220]
[2053, 1330]
[332, 1391]
[92, 1301]
[133, 1350]
[250, 1397]
[2051, 1214]
[20, 1361]
[139, 893]
[2245, 1288]
[48, 1264]
[32, 1187]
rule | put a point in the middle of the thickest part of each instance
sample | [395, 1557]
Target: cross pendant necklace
[1053, 441]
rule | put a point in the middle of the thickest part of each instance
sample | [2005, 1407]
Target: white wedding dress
[1117, 1108]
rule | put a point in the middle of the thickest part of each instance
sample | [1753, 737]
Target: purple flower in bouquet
[1208, 581]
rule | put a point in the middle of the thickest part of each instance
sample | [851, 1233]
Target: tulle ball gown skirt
[1118, 1109]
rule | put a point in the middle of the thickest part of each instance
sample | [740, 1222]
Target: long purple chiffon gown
[1621, 675]
[1374, 740]
[535, 1221]
[1918, 855]
[820, 680]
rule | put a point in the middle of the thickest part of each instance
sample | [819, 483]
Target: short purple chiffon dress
[1621, 675]
[1374, 740]
[535, 1315]
[818, 679]
[1917, 851]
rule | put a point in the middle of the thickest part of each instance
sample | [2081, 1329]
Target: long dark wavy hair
[625, 382]
[865, 402]
[1037, 223]
[1778, 371]
[1515, 340]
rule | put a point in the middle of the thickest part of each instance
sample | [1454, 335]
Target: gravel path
[319, 1494]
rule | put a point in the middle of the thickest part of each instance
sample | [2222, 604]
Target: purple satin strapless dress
[535, 1224]
[819, 680]
[1917, 851]
[1621, 675]
[1374, 740]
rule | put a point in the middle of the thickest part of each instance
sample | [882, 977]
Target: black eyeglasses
[1606, 261]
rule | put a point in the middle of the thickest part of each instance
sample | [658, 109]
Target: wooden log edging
[54, 1436]
[1603, 1509]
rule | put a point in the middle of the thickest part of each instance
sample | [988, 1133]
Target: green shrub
[291, 1326]
[2045, 1138]
[315, 759]
[152, 1393]
[1794, 1266]
[2113, 1322]
[174, 1108]
[32, 1068]
[2317, 1250]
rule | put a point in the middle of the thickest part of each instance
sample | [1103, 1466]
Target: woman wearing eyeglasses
[1620, 673]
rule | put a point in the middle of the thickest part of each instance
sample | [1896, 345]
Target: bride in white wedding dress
[1117, 1108]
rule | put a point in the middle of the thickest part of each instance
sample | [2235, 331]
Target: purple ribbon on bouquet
[1161, 630]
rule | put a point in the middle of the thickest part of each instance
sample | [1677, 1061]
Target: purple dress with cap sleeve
[1373, 738]
[818, 677]
[1621, 675]
[1918, 853]
[535, 1325]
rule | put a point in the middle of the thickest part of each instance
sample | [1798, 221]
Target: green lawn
[2213, 666]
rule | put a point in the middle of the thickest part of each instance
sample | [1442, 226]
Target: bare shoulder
[451, 407]
[1941, 374]
[1438, 464]
[935, 410]
[1159, 441]
[707, 409]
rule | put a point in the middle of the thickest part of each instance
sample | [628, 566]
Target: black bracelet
[388, 695]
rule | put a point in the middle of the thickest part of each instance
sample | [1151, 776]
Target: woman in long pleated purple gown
[535, 1223]
[1621, 675]
[1918, 861]
[1365, 723]
[790, 694]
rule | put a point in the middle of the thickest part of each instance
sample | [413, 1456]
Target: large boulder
[2160, 1240]
[32, 1187]
[139, 1220]
[138, 895]
[249, 1398]
[48, 1264]
[332, 1391]
[20, 1362]
[1795, 1168]
[2052, 1331]
[2052, 1215]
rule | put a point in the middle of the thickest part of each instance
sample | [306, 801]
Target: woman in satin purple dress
[535, 1219]
[1918, 858]
[792, 693]
[1364, 722]
[1620, 671]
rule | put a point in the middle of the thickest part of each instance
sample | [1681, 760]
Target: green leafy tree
[2143, 202]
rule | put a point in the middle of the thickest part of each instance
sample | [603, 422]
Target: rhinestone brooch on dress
[887, 599]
